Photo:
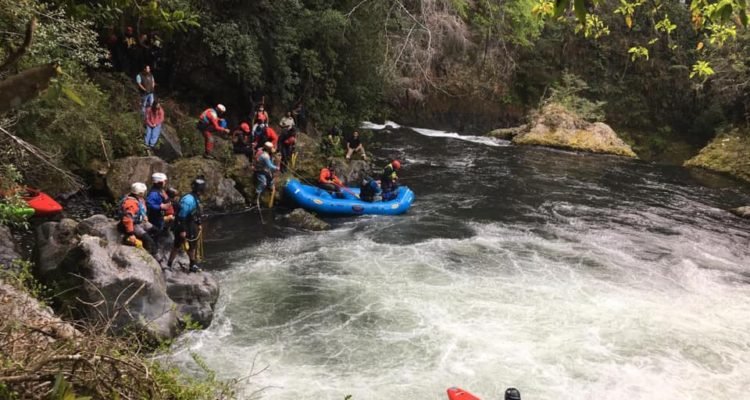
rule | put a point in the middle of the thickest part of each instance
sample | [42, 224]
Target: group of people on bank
[146, 214]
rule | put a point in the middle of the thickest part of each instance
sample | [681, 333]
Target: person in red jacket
[154, 119]
[328, 180]
[260, 116]
[266, 134]
[208, 124]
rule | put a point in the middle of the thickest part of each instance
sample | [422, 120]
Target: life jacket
[207, 115]
[155, 216]
[142, 211]
[147, 80]
[388, 178]
[369, 189]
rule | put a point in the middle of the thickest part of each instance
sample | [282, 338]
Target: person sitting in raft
[157, 202]
[187, 228]
[370, 191]
[134, 221]
[389, 180]
[264, 169]
[328, 180]
[354, 145]
[242, 141]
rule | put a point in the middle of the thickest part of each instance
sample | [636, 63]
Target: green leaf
[743, 16]
[69, 93]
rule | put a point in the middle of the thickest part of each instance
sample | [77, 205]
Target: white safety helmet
[138, 188]
[268, 144]
[221, 108]
[159, 177]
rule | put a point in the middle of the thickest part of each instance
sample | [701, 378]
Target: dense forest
[663, 70]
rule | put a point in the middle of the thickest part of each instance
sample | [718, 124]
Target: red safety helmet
[245, 127]
[396, 164]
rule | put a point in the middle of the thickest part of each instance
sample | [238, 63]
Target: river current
[566, 275]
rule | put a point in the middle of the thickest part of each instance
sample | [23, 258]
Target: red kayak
[42, 203]
[455, 393]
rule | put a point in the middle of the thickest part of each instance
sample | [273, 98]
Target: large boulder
[555, 126]
[302, 219]
[169, 147]
[220, 191]
[18, 308]
[107, 282]
[125, 171]
[8, 249]
[729, 152]
[241, 171]
[195, 295]
[352, 172]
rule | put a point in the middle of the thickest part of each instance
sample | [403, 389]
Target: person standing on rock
[154, 120]
[288, 141]
[157, 202]
[242, 141]
[264, 169]
[187, 228]
[208, 124]
[146, 84]
[260, 116]
[134, 221]
[287, 122]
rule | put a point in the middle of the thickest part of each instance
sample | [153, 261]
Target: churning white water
[566, 276]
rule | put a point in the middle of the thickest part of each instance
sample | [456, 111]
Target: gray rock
[53, 241]
[743, 211]
[195, 294]
[117, 284]
[107, 282]
[169, 147]
[220, 191]
[352, 172]
[302, 219]
[8, 249]
[125, 171]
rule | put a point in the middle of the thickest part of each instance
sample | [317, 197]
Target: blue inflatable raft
[312, 198]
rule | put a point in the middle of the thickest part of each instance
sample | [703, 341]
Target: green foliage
[10, 198]
[21, 276]
[80, 134]
[162, 15]
[701, 69]
[57, 39]
[569, 93]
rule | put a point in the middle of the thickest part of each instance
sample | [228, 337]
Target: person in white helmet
[157, 201]
[134, 219]
[209, 122]
[264, 169]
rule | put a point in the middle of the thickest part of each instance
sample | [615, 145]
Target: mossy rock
[729, 152]
[555, 126]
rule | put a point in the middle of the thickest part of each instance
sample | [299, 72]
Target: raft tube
[317, 200]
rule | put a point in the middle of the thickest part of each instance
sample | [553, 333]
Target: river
[566, 275]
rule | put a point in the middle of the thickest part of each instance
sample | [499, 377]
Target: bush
[569, 91]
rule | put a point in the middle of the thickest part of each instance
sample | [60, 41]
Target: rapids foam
[485, 140]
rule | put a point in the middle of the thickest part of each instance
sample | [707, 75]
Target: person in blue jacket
[187, 227]
[264, 169]
[157, 201]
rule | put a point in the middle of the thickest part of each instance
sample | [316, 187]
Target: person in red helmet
[242, 140]
[208, 124]
[389, 180]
